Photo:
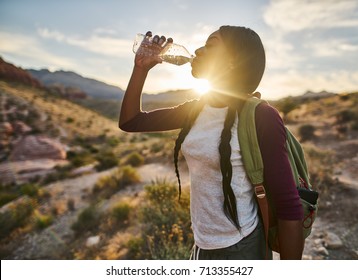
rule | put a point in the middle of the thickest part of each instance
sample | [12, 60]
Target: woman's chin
[197, 74]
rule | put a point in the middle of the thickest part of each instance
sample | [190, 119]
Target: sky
[309, 44]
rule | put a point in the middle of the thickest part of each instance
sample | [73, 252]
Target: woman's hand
[147, 55]
[131, 103]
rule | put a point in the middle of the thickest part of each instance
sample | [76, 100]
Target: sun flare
[201, 86]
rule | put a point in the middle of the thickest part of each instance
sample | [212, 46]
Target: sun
[201, 86]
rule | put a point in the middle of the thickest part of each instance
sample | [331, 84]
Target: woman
[224, 213]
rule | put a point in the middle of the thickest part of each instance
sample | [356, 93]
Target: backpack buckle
[260, 191]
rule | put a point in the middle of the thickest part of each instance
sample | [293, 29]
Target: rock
[38, 147]
[21, 128]
[332, 241]
[322, 250]
[87, 169]
[23, 171]
[9, 72]
[6, 129]
[92, 241]
[318, 242]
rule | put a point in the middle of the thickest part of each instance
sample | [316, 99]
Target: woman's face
[212, 61]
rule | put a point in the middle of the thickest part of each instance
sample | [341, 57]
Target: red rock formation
[37, 147]
[21, 128]
[11, 73]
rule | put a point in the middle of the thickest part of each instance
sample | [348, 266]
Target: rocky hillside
[39, 130]
[11, 73]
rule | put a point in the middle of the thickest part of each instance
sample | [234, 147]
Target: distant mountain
[103, 97]
[170, 98]
[11, 73]
[93, 88]
[315, 95]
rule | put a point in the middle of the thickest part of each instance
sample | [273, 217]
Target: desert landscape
[73, 186]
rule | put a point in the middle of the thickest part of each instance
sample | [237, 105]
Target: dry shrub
[166, 231]
[106, 186]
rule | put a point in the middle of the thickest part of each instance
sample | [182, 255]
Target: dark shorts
[252, 247]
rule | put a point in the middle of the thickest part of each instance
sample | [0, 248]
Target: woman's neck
[219, 100]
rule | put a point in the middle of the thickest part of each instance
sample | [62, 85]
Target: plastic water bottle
[171, 53]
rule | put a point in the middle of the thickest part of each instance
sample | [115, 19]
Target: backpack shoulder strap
[249, 145]
[250, 150]
[251, 157]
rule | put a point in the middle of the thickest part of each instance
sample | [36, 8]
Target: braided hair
[230, 208]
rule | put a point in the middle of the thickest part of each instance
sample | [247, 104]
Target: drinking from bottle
[171, 53]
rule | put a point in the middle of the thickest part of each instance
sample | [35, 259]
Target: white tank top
[211, 228]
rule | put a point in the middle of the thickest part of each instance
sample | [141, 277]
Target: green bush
[320, 165]
[165, 220]
[121, 211]
[15, 217]
[157, 147]
[135, 249]
[81, 158]
[106, 186]
[306, 132]
[129, 176]
[31, 190]
[43, 221]
[87, 220]
[69, 120]
[346, 116]
[113, 141]
[287, 105]
[106, 160]
[6, 197]
[135, 159]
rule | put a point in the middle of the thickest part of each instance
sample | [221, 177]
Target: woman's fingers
[156, 39]
[169, 41]
[161, 40]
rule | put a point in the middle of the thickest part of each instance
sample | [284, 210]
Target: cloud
[312, 45]
[29, 49]
[331, 48]
[298, 15]
[294, 83]
[101, 42]
[279, 54]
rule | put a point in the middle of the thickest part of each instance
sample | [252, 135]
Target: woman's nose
[199, 51]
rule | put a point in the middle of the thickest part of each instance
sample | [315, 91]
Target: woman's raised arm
[132, 118]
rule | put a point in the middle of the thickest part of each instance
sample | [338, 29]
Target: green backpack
[253, 163]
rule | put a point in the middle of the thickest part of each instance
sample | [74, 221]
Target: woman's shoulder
[190, 106]
[266, 112]
[268, 121]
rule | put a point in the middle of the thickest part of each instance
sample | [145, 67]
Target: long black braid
[230, 208]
